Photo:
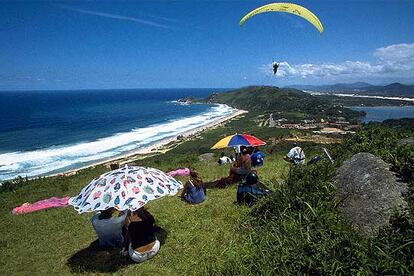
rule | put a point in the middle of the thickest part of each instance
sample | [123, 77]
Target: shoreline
[392, 98]
[159, 147]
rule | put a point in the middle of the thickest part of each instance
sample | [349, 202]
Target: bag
[249, 194]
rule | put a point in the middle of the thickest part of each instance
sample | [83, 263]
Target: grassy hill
[196, 240]
[267, 99]
[297, 230]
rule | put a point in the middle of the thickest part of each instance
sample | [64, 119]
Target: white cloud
[396, 53]
[391, 61]
[116, 16]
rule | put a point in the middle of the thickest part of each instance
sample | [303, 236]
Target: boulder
[206, 157]
[369, 192]
[406, 141]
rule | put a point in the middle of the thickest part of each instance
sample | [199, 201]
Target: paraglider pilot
[275, 67]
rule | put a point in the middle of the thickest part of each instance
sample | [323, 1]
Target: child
[194, 191]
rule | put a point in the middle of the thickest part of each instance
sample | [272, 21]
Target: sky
[64, 45]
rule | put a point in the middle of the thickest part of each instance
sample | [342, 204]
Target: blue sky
[172, 44]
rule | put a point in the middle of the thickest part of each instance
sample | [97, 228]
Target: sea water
[382, 113]
[47, 132]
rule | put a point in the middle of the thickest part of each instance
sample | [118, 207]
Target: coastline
[407, 99]
[159, 147]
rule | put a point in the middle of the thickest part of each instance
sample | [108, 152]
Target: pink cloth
[179, 172]
[41, 205]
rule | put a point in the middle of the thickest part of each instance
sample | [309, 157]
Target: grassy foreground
[195, 240]
[296, 230]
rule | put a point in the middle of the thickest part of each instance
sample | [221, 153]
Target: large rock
[206, 157]
[370, 193]
[406, 141]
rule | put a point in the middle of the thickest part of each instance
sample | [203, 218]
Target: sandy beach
[159, 147]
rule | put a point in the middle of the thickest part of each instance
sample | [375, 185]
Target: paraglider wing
[289, 8]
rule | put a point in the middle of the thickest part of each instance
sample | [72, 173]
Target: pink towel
[179, 172]
[41, 205]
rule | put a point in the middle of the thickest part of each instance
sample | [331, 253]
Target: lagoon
[382, 113]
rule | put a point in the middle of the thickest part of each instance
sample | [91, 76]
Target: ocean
[48, 132]
[382, 113]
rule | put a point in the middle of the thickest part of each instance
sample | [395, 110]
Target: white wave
[58, 159]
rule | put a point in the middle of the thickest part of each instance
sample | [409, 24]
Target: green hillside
[298, 230]
[266, 99]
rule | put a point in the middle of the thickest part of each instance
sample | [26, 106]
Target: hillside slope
[268, 99]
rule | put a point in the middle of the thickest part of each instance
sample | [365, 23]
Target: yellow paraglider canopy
[289, 8]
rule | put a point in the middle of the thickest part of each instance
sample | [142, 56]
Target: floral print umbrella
[127, 188]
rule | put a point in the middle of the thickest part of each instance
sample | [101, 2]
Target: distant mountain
[363, 88]
[394, 89]
[339, 87]
[353, 86]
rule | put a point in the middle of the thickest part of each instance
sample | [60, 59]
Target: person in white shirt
[224, 159]
[295, 155]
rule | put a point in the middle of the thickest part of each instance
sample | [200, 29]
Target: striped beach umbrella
[238, 140]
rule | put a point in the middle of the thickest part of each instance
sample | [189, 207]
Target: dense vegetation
[266, 99]
[300, 229]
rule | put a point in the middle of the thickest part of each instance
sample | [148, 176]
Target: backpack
[249, 194]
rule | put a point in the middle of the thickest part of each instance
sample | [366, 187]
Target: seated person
[240, 169]
[224, 159]
[250, 190]
[243, 165]
[194, 191]
[257, 158]
[140, 243]
[108, 227]
[295, 155]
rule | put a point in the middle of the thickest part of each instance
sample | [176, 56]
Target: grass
[196, 240]
[300, 230]
[296, 230]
